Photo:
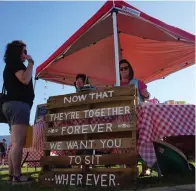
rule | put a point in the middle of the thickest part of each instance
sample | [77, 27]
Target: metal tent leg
[116, 47]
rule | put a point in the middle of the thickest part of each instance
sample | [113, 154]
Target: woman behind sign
[80, 84]
[126, 78]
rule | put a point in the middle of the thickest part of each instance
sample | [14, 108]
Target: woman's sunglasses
[124, 68]
[25, 52]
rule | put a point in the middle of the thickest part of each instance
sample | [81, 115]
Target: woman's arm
[145, 94]
[143, 90]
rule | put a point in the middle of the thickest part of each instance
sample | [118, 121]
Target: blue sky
[44, 26]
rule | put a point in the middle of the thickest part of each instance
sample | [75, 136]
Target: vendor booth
[116, 31]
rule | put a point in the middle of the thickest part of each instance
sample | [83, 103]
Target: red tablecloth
[33, 155]
[154, 121]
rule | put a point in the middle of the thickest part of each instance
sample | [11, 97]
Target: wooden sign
[94, 120]
[41, 111]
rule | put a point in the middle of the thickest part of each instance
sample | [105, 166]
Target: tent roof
[153, 48]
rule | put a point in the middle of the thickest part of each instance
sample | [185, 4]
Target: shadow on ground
[145, 182]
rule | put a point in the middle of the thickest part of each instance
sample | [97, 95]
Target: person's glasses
[25, 52]
[124, 68]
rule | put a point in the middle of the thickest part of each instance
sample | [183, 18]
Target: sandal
[10, 178]
[21, 180]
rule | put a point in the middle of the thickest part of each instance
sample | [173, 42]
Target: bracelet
[147, 96]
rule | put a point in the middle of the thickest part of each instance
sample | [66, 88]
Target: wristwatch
[31, 60]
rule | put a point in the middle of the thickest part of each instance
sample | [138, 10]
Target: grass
[145, 182]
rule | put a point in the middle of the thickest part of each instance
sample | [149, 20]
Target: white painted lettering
[71, 159]
[72, 178]
[61, 116]
[52, 117]
[87, 159]
[117, 143]
[103, 143]
[96, 179]
[63, 129]
[115, 111]
[93, 128]
[103, 180]
[85, 129]
[111, 93]
[77, 130]
[82, 97]
[121, 111]
[100, 128]
[111, 143]
[73, 115]
[70, 130]
[105, 95]
[108, 127]
[127, 110]
[112, 178]
[92, 95]
[56, 116]
[89, 179]
[67, 100]
[70, 145]
[83, 144]
[97, 158]
[78, 159]
[99, 95]
[79, 179]
[74, 98]
[55, 145]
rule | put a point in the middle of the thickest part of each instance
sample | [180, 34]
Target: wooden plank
[113, 104]
[113, 170]
[68, 170]
[106, 135]
[91, 144]
[112, 135]
[105, 95]
[90, 128]
[123, 178]
[130, 159]
[91, 113]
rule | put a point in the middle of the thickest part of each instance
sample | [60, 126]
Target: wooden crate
[84, 170]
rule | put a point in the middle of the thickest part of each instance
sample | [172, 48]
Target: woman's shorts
[3, 155]
[16, 112]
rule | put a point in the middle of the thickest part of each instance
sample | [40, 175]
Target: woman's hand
[30, 59]
[145, 93]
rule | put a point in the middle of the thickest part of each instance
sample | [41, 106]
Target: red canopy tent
[117, 31]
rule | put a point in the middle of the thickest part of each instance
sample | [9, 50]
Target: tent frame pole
[35, 84]
[116, 46]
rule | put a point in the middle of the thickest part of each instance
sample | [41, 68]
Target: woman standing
[126, 78]
[19, 100]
